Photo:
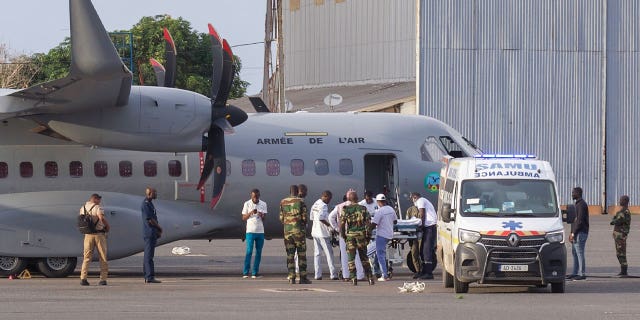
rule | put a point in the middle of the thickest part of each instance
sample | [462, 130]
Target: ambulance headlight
[555, 236]
[468, 236]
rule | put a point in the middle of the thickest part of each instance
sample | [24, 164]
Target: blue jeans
[381, 252]
[577, 249]
[258, 240]
[149, 252]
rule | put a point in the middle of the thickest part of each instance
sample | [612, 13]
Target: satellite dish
[288, 105]
[333, 100]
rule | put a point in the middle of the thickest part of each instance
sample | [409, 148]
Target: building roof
[370, 97]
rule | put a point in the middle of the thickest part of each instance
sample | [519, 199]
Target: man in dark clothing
[151, 231]
[579, 235]
[622, 224]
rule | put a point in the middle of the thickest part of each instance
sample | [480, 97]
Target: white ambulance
[499, 222]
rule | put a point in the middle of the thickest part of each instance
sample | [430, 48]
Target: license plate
[514, 267]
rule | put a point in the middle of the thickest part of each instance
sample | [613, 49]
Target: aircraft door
[381, 176]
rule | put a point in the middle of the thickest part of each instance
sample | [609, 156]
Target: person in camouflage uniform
[293, 215]
[355, 229]
[413, 212]
[621, 223]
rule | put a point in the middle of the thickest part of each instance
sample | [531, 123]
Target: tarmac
[208, 283]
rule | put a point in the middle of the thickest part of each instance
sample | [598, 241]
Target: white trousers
[323, 244]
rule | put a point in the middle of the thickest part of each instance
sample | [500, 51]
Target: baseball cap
[381, 197]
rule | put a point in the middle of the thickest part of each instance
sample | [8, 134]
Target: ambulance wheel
[557, 287]
[410, 263]
[459, 286]
[57, 267]
[447, 279]
[12, 265]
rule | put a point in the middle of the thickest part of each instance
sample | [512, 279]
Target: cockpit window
[452, 147]
[431, 150]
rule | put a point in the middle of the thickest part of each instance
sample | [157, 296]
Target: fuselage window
[150, 168]
[126, 168]
[26, 169]
[100, 169]
[175, 168]
[4, 170]
[297, 167]
[228, 168]
[50, 169]
[322, 167]
[75, 169]
[432, 150]
[346, 167]
[248, 168]
[273, 167]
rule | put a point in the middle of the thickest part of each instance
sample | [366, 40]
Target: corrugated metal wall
[533, 77]
[347, 42]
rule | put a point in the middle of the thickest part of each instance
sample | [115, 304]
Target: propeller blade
[170, 54]
[227, 76]
[217, 62]
[215, 162]
[159, 70]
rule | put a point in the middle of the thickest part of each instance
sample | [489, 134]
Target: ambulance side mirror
[447, 214]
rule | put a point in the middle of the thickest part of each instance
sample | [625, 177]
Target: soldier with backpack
[96, 239]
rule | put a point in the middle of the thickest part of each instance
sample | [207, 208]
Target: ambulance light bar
[504, 156]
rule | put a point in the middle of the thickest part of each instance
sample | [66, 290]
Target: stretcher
[403, 232]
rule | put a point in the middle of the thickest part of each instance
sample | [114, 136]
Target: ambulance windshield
[508, 198]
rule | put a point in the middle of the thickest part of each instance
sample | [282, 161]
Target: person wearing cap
[383, 221]
[97, 240]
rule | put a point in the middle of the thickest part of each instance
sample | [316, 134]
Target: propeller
[223, 117]
[166, 77]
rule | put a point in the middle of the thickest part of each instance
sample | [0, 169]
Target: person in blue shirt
[151, 231]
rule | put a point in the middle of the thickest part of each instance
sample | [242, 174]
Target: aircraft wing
[97, 78]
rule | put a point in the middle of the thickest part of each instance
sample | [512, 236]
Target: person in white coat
[321, 233]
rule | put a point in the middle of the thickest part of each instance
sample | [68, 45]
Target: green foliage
[193, 70]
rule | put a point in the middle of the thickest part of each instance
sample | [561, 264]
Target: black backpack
[85, 222]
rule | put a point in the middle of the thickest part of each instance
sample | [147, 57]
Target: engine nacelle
[156, 119]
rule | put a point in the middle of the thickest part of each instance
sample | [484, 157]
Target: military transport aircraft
[92, 131]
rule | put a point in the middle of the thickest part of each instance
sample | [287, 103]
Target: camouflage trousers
[620, 240]
[415, 254]
[293, 243]
[358, 243]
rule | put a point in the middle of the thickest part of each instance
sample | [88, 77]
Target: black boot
[623, 272]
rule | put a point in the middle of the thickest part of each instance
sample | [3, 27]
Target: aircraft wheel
[12, 265]
[557, 287]
[57, 267]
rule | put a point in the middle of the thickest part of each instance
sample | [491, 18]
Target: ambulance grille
[525, 242]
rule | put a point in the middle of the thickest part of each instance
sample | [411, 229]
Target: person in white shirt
[429, 234]
[383, 222]
[321, 233]
[369, 203]
[334, 220]
[253, 213]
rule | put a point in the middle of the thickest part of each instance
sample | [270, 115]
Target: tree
[15, 71]
[193, 70]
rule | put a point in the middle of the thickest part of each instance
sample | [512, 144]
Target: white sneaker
[382, 279]
[245, 276]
